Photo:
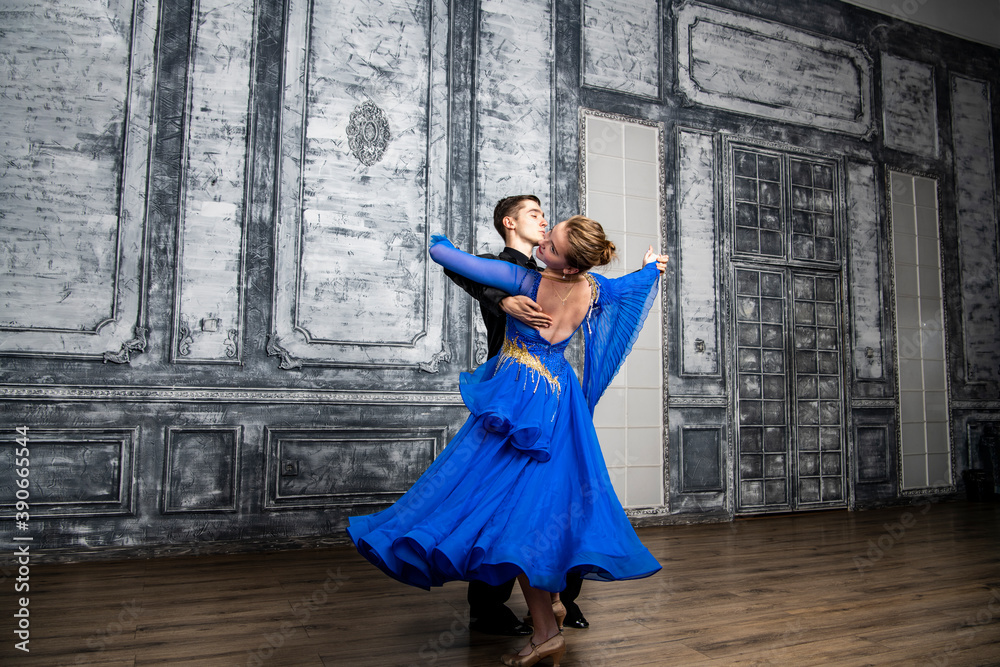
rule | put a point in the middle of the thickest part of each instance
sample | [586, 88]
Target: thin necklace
[563, 280]
[568, 292]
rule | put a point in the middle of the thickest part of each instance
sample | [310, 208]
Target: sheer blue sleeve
[497, 273]
[612, 326]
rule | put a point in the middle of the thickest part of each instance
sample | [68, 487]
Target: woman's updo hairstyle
[588, 246]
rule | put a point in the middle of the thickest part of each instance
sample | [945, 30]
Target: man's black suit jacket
[489, 298]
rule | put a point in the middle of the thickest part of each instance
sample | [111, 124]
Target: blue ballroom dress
[522, 487]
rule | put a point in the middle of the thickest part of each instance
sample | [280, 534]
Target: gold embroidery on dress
[515, 350]
[595, 289]
[595, 294]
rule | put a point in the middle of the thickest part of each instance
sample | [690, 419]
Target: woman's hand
[442, 239]
[651, 256]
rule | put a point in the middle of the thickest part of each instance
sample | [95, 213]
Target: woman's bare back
[567, 302]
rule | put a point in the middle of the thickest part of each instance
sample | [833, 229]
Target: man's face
[529, 222]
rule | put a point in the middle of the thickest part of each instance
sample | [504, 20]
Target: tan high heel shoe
[554, 646]
[558, 610]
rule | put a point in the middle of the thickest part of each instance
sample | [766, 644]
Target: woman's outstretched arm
[493, 272]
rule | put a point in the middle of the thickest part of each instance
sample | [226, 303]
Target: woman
[522, 489]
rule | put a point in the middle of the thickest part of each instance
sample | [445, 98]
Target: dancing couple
[522, 490]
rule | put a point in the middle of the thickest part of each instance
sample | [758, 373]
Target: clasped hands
[651, 256]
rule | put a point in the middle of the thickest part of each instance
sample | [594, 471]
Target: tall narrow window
[622, 175]
[920, 359]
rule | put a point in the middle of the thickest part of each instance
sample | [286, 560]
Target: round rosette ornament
[368, 133]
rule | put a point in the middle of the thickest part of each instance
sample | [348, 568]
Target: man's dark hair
[509, 206]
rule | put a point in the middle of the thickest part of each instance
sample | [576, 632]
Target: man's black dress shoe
[575, 621]
[507, 627]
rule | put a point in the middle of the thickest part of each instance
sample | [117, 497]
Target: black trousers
[490, 602]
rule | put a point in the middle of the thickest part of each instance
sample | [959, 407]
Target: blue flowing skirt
[522, 487]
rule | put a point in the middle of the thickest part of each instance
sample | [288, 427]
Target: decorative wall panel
[872, 445]
[866, 287]
[975, 179]
[363, 184]
[200, 469]
[982, 438]
[909, 101]
[697, 242]
[209, 292]
[749, 65]
[701, 459]
[326, 467]
[621, 46]
[514, 91]
[74, 181]
[74, 471]
[875, 463]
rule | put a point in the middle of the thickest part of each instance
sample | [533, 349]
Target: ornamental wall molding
[871, 403]
[15, 392]
[975, 404]
[687, 401]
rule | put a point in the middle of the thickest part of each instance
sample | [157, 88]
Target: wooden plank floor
[898, 586]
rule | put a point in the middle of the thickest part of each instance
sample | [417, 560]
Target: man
[521, 223]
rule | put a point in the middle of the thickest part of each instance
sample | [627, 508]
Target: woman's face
[552, 250]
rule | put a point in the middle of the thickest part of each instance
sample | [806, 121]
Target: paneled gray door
[788, 370]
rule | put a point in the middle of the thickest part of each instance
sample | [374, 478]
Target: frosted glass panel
[906, 248]
[610, 210]
[644, 445]
[913, 438]
[911, 406]
[605, 174]
[640, 178]
[643, 486]
[640, 212]
[937, 438]
[641, 142]
[623, 172]
[612, 445]
[915, 471]
[938, 469]
[610, 411]
[618, 480]
[646, 371]
[925, 192]
[604, 137]
[920, 358]
[907, 312]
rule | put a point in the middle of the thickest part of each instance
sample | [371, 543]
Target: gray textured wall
[219, 320]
